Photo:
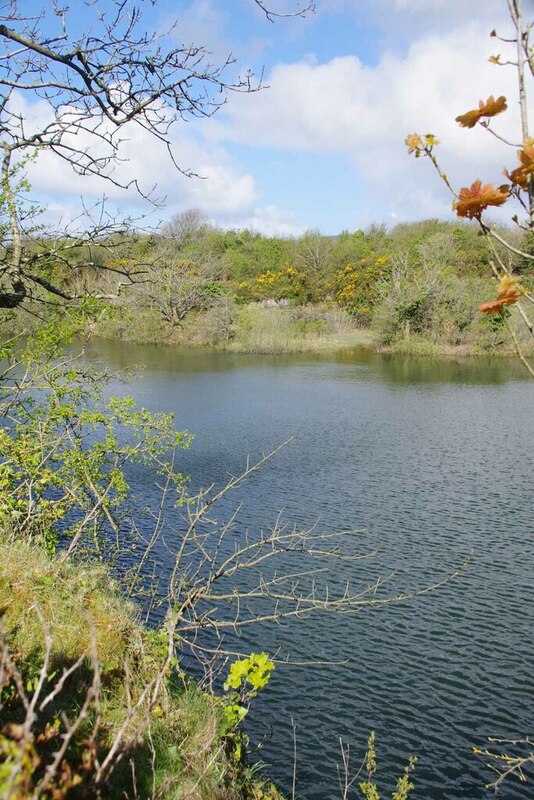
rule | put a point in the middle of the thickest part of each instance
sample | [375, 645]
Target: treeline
[417, 283]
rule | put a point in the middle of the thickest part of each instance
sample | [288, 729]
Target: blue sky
[322, 148]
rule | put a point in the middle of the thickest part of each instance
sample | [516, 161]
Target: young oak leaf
[417, 144]
[255, 670]
[509, 292]
[522, 174]
[490, 108]
[469, 119]
[430, 140]
[472, 202]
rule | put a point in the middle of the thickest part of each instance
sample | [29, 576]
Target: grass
[304, 329]
[256, 329]
[173, 737]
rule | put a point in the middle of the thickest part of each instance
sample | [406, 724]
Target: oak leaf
[485, 109]
[521, 175]
[492, 107]
[430, 140]
[509, 292]
[526, 158]
[469, 119]
[517, 176]
[472, 202]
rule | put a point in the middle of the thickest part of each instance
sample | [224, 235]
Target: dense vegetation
[416, 288]
[93, 703]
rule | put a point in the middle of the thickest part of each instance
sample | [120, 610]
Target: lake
[425, 461]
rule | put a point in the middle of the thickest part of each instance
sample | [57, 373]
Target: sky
[322, 146]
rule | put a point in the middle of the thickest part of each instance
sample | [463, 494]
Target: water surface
[426, 461]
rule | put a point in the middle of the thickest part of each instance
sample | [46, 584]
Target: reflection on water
[429, 460]
[388, 367]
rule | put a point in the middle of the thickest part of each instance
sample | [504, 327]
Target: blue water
[427, 462]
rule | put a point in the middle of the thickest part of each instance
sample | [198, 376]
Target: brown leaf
[526, 159]
[473, 201]
[485, 109]
[517, 176]
[469, 119]
[492, 107]
[509, 293]
[525, 171]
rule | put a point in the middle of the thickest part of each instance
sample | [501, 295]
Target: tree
[177, 286]
[185, 227]
[91, 87]
[471, 202]
[312, 253]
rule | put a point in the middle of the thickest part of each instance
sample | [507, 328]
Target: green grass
[256, 329]
[174, 740]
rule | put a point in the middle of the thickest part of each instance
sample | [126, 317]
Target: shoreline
[363, 338]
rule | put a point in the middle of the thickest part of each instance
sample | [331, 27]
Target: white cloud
[224, 194]
[412, 18]
[363, 113]
[222, 191]
[271, 221]
[344, 107]
[222, 188]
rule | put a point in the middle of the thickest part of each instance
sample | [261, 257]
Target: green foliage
[65, 448]
[248, 254]
[369, 788]
[254, 670]
[356, 286]
[427, 299]
[283, 284]
[245, 679]
[174, 738]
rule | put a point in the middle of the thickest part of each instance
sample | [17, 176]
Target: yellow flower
[414, 143]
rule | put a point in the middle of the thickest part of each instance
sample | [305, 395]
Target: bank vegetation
[413, 289]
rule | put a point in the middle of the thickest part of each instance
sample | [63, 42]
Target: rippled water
[430, 461]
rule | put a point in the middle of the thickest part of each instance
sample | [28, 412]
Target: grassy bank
[295, 330]
[491, 336]
[253, 328]
[80, 676]
[318, 328]
[308, 329]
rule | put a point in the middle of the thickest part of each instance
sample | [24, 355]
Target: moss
[70, 597]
